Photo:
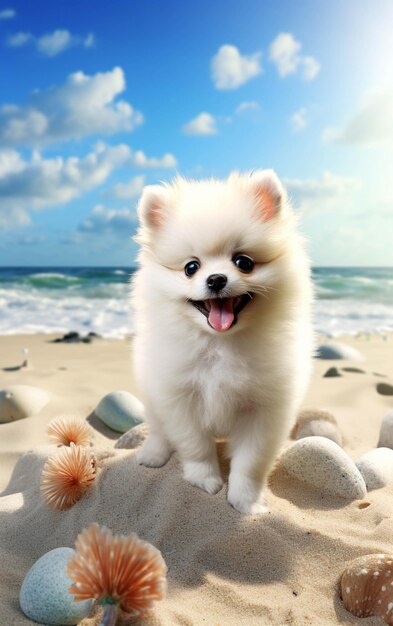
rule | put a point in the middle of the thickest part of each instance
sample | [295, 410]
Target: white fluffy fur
[198, 384]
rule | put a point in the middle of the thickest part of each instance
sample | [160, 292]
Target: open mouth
[221, 313]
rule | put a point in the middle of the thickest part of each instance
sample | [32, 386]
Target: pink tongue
[221, 313]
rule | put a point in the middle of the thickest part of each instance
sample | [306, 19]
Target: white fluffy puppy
[223, 343]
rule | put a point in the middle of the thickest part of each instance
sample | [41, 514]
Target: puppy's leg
[198, 453]
[156, 450]
[254, 445]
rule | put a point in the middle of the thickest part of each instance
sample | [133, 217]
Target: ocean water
[43, 299]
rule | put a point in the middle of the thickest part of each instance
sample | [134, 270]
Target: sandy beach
[223, 568]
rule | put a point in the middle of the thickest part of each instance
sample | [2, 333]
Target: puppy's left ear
[269, 193]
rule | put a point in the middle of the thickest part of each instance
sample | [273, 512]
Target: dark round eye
[244, 263]
[191, 268]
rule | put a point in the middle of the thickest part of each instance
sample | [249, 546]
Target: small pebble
[338, 351]
[376, 467]
[321, 463]
[20, 401]
[44, 595]
[120, 410]
[386, 432]
[385, 389]
[354, 370]
[332, 372]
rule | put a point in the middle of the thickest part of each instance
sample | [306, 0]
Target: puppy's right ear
[153, 206]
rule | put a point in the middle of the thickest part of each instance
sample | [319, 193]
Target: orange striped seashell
[66, 430]
[117, 570]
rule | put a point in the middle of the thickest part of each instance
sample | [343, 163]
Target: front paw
[155, 452]
[246, 497]
[204, 476]
[248, 508]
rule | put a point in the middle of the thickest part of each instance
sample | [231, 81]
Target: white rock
[386, 432]
[322, 464]
[44, 595]
[376, 467]
[320, 428]
[120, 410]
[338, 351]
[19, 401]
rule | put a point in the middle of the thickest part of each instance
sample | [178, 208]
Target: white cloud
[7, 14]
[129, 190]
[19, 39]
[310, 67]
[102, 220]
[247, 106]
[202, 124]
[43, 183]
[330, 191]
[230, 69]
[284, 52]
[83, 105]
[51, 44]
[54, 43]
[299, 120]
[371, 125]
[139, 159]
[89, 41]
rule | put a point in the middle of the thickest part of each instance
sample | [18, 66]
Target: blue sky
[98, 99]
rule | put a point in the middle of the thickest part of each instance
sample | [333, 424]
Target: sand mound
[222, 568]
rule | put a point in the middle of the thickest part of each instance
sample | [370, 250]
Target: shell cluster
[69, 473]
[367, 587]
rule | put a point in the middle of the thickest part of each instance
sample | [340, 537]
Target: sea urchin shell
[67, 430]
[67, 475]
[367, 586]
[122, 570]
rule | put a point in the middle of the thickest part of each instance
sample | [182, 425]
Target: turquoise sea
[60, 299]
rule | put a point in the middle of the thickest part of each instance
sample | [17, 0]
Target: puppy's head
[216, 250]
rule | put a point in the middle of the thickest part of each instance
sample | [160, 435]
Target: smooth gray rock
[44, 595]
[321, 463]
[120, 410]
[20, 401]
[330, 351]
[386, 432]
[376, 467]
[385, 389]
[320, 428]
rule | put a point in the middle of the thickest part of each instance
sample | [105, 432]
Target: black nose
[216, 282]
